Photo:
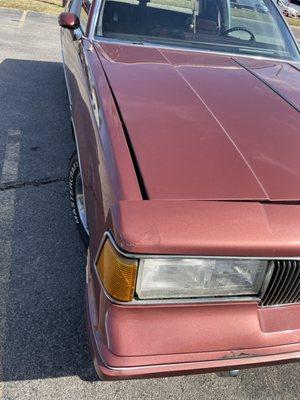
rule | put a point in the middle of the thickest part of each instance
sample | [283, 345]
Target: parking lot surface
[296, 31]
[43, 348]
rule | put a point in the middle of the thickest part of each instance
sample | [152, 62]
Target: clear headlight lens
[164, 278]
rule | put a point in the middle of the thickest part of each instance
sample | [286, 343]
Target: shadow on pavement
[42, 266]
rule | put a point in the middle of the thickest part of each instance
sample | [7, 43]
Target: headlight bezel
[181, 300]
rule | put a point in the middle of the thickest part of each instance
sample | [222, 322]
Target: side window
[84, 13]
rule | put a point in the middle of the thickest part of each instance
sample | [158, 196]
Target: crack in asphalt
[37, 182]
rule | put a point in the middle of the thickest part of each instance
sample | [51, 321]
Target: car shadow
[42, 260]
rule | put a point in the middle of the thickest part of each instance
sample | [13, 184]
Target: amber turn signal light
[117, 273]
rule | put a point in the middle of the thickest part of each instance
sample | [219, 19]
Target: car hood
[208, 127]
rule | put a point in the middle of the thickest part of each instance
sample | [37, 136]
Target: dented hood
[208, 127]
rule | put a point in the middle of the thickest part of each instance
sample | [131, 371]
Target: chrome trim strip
[224, 360]
[280, 305]
[188, 49]
[267, 279]
[95, 16]
[192, 300]
[142, 367]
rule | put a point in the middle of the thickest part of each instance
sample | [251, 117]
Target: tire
[77, 199]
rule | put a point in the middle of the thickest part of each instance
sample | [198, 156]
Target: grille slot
[284, 285]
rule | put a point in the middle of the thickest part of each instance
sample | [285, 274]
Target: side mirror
[68, 20]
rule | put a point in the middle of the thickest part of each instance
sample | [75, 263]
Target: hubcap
[80, 202]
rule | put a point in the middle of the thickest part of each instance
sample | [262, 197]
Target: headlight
[163, 278]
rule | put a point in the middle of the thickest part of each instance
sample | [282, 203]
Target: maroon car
[186, 182]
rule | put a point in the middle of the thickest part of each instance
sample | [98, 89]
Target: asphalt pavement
[296, 31]
[43, 347]
[295, 4]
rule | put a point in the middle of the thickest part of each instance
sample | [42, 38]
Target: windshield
[235, 26]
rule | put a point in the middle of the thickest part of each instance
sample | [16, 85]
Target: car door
[78, 53]
[74, 45]
[71, 43]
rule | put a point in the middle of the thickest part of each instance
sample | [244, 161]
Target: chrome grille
[284, 285]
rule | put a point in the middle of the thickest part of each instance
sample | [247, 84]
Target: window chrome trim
[93, 23]
[193, 300]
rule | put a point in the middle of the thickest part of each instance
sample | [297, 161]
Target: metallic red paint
[283, 78]
[68, 20]
[207, 228]
[144, 341]
[205, 128]
[208, 132]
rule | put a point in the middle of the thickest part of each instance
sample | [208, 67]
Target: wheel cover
[80, 202]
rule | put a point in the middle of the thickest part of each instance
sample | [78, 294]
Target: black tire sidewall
[74, 170]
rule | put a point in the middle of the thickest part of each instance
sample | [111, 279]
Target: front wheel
[77, 198]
